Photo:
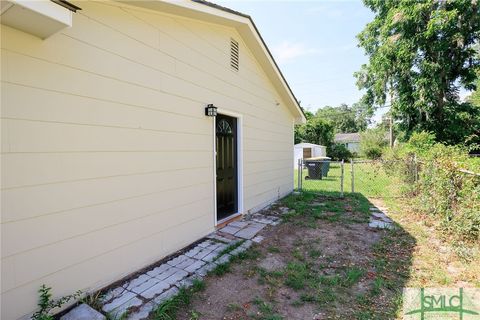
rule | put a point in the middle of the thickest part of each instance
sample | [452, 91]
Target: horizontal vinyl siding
[106, 153]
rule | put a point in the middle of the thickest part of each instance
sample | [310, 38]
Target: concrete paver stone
[230, 229]
[83, 312]
[195, 266]
[118, 301]
[148, 290]
[155, 290]
[119, 311]
[158, 270]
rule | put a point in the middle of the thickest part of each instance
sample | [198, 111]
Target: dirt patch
[228, 297]
[317, 265]
[272, 262]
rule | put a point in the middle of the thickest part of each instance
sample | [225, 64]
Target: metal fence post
[341, 178]
[298, 175]
[353, 178]
[299, 182]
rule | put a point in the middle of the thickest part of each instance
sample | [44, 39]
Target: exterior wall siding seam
[267, 191]
[98, 255]
[264, 130]
[105, 228]
[208, 25]
[254, 173]
[107, 126]
[103, 203]
[102, 178]
[272, 92]
[270, 160]
[104, 151]
[265, 181]
[102, 100]
[147, 87]
[190, 65]
[206, 56]
[264, 140]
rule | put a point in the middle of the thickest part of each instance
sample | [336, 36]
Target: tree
[373, 142]
[420, 53]
[474, 98]
[346, 119]
[316, 130]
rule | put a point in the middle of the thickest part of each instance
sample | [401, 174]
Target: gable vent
[234, 54]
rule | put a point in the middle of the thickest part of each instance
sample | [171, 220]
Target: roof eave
[67, 5]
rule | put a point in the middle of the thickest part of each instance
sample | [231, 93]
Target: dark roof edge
[216, 6]
[66, 4]
[219, 7]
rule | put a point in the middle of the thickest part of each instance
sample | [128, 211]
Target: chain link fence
[438, 187]
[371, 178]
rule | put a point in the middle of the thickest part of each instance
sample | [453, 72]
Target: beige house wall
[107, 156]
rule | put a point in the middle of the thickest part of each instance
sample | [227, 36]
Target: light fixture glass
[211, 110]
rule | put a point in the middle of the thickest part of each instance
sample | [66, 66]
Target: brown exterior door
[307, 153]
[226, 148]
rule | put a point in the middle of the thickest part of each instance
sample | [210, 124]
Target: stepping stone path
[142, 293]
[379, 220]
[83, 312]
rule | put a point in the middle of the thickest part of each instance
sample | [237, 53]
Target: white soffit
[41, 18]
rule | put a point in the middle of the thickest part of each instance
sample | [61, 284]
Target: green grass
[297, 275]
[221, 269]
[229, 249]
[265, 310]
[314, 253]
[370, 179]
[352, 276]
[273, 249]
[168, 309]
[308, 207]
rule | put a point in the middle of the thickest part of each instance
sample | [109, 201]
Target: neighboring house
[109, 161]
[307, 150]
[349, 140]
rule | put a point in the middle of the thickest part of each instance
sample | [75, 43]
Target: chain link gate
[371, 178]
[321, 176]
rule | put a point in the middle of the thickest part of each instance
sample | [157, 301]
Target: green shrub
[372, 143]
[420, 143]
[339, 152]
[442, 189]
[373, 153]
[46, 304]
[447, 192]
[402, 161]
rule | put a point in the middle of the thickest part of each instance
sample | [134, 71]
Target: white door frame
[239, 118]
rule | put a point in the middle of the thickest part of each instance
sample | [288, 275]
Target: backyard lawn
[325, 262]
[370, 179]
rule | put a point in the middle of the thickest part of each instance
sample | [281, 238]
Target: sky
[314, 43]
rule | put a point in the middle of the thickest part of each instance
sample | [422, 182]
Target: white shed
[308, 150]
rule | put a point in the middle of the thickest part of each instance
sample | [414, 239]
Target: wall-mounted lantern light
[211, 110]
